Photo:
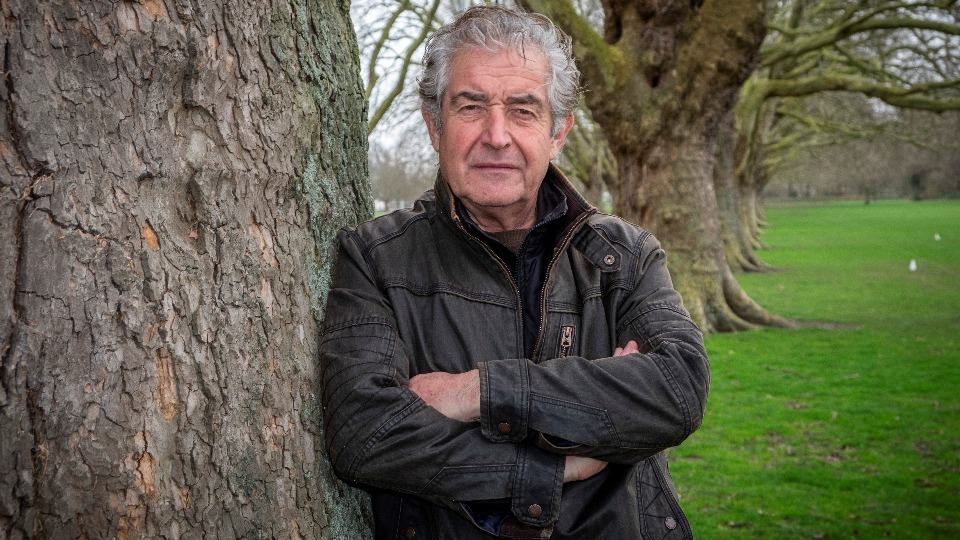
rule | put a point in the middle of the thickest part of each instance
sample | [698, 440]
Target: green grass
[838, 434]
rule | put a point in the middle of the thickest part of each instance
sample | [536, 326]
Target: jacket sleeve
[381, 434]
[618, 409]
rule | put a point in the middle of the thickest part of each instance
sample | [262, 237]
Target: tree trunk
[173, 175]
[750, 220]
[755, 122]
[676, 202]
[737, 238]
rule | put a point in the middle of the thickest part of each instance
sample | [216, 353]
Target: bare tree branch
[910, 97]
[808, 40]
[401, 81]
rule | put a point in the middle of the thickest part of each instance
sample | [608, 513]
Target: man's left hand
[455, 395]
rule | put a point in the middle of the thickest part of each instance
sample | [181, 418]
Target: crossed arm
[457, 396]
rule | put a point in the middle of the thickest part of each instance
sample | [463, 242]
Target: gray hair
[494, 29]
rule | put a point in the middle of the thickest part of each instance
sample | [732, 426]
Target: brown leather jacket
[414, 292]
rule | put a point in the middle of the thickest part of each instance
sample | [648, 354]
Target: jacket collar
[593, 245]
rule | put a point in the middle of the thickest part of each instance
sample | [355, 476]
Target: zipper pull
[566, 340]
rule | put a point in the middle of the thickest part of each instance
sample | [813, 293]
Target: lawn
[837, 434]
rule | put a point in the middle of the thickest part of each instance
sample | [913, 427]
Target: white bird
[936, 237]
[913, 265]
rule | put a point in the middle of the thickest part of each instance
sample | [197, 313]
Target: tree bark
[172, 177]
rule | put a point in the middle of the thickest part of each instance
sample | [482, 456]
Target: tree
[173, 175]
[901, 53]
[662, 77]
[380, 58]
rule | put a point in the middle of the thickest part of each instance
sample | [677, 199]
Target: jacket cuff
[535, 497]
[504, 400]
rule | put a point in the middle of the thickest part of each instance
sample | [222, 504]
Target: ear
[431, 128]
[557, 143]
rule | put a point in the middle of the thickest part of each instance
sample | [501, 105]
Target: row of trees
[691, 108]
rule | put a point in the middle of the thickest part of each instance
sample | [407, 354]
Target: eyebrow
[468, 96]
[524, 99]
[521, 99]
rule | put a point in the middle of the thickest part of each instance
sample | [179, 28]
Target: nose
[496, 133]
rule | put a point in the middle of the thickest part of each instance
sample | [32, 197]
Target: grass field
[837, 434]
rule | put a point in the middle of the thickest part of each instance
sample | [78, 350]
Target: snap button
[409, 533]
[609, 260]
[534, 510]
[670, 523]
[504, 428]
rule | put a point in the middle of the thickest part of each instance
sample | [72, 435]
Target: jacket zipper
[547, 275]
[546, 279]
[566, 340]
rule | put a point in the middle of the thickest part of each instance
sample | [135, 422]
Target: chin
[497, 203]
[495, 200]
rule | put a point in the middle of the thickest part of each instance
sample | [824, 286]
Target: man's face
[495, 144]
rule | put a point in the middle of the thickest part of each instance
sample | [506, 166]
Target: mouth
[495, 167]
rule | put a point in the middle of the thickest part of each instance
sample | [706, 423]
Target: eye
[470, 110]
[524, 114]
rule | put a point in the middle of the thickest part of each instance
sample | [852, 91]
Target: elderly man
[501, 360]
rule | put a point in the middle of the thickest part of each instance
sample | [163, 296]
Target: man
[501, 360]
